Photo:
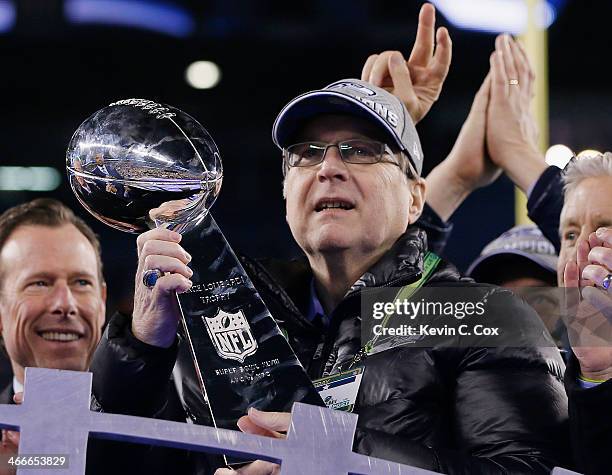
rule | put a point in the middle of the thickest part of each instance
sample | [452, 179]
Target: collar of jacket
[400, 265]
[289, 281]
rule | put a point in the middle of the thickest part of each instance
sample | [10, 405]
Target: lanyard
[430, 262]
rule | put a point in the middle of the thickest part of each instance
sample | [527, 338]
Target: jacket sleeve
[129, 376]
[545, 203]
[437, 230]
[590, 422]
[478, 410]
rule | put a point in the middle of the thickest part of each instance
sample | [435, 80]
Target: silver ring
[149, 277]
[513, 82]
[607, 281]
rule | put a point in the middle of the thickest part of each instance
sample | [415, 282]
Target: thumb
[13, 437]
[481, 99]
[277, 421]
[18, 397]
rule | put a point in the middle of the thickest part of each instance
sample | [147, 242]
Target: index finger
[594, 241]
[605, 235]
[423, 48]
[160, 234]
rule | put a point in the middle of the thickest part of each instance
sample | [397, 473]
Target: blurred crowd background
[61, 60]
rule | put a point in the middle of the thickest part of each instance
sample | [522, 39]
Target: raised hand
[512, 135]
[418, 81]
[468, 166]
[589, 319]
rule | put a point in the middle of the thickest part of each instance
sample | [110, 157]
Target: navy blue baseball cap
[352, 97]
[525, 241]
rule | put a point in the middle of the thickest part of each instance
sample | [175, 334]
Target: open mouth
[61, 336]
[323, 205]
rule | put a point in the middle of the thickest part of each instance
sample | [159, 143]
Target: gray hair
[587, 167]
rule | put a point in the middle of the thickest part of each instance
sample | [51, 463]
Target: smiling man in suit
[52, 292]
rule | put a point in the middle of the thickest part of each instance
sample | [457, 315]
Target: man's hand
[10, 441]
[512, 133]
[589, 325]
[467, 167]
[269, 424]
[259, 467]
[156, 313]
[418, 81]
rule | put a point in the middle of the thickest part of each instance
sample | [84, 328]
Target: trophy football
[137, 164]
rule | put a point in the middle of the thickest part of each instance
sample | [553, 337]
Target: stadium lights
[202, 74]
[29, 178]
[558, 155]
[495, 16]
[8, 15]
[160, 17]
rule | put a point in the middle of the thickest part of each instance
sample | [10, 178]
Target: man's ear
[418, 188]
[1, 314]
[103, 294]
[103, 291]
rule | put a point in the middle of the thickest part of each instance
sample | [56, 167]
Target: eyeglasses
[308, 154]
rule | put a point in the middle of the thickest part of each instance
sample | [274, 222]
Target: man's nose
[332, 167]
[61, 300]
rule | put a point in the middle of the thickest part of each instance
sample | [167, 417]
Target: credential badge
[231, 335]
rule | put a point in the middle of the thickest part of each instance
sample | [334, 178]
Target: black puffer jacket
[451, 410]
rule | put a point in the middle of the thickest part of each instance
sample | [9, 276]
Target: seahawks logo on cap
[358, 87]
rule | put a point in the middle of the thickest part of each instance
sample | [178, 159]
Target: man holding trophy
[352, 162]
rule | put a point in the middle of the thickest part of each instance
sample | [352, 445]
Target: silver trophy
[137, 164]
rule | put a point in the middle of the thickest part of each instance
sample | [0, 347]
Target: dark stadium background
[55, 73]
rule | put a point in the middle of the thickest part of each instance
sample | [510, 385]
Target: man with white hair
[585, 265]
[352, 162]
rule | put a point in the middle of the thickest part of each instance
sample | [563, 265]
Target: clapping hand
[590, 318]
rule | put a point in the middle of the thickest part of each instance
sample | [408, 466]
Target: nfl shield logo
[231, 335]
